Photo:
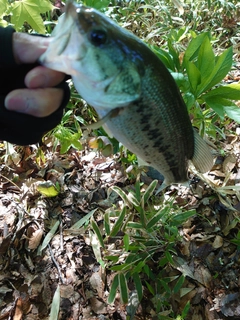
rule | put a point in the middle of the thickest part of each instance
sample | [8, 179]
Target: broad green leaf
[231, 92]
[217, 104]
[164, 56]
[206, 59]
[48, 189]
[55, 307]
[30, 10]
[98, 233]
[49, 236]
[222, 67]
[194, 76]
[138, 285]
[85, 219]
[181, 80]
[189, 99]
[233, 112]
[179, 284]
[193, 47]
[3, 7]
[123, 288]
[113, 290]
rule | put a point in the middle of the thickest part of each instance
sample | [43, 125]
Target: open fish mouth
[68, 42]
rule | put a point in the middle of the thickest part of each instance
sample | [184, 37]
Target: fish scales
[129, 87]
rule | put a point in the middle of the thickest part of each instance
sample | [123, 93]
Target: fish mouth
[67, 43]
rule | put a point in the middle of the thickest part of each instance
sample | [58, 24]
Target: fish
[136, 98]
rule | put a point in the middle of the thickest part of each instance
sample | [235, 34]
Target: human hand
[40, 98]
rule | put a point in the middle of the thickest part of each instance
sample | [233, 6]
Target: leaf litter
[51, 258]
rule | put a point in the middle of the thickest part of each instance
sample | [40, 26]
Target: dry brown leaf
[97, 306]
[18, 313]
[35, 239]
[97, 283]
[229, 163]
[218, 242]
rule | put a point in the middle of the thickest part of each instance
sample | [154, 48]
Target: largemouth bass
[131, 90]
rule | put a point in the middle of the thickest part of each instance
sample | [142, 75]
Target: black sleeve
[17, 127]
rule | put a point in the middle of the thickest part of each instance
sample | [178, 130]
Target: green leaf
[3, 7]
[134, 225]
[49, 236]
[107, 223]
[113, 290]
[179, 284]
[97, 4]
[123, 288]
[30, 10]
[138, 285]
[233, 112]
[206, 59]
[186, 310]
[164, 56]
[217, 104]
[122, 194]
[148, 192]
[55, 307]
[47, 189]
[194, 76]
[231, 92]
[85, 219]
[139, 267]
[98, 233]
[220, 70]
[193, 47]
[150, 288]
[178, 219]
[126, 240]
[118, 224]
[155, 219]
[169, 257]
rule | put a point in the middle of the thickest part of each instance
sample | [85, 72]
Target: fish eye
[98, 37]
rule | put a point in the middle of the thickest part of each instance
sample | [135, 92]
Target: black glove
[17, 127]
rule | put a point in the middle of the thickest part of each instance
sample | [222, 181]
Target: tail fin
[202, 158]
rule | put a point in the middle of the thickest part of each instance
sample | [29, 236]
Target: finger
[41, 77]
[27, 48]
[36, 102]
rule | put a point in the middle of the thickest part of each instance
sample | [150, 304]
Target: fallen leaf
[35, 239]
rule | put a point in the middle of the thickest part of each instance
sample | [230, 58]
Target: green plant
[199, 77]
[147, 235]
[67, 133]
[19, 12]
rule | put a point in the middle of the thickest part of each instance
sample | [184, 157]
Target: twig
[56, 264]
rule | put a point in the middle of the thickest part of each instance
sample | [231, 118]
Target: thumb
[28, 48]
